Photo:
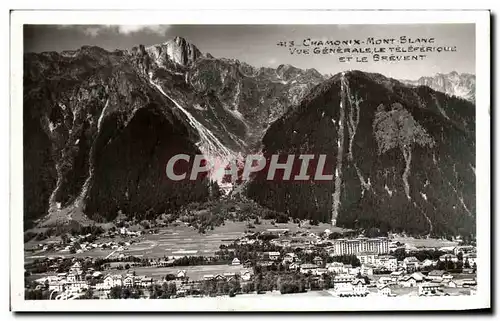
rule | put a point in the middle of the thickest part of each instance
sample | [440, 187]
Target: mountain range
[454, 84]
[99, 127]
[403, 157]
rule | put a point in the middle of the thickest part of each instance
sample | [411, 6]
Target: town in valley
[255, 256]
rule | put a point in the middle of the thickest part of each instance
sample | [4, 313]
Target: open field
[308, 294]
[30, 256]
[184, 241]
[425, 242]
[193, 272]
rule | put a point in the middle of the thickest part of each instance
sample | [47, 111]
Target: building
[353, 270]
[447, 249]
[464, 249]
[129, 281]
[367, 257]
[450, 284]
[337, 268]
[75, 273]
[277, 231]
[318, 261]
[165, 263]
[236, 261]
[384, 280]
[429, 288]
[436, 275]
[410, 281]
[466, 283]
[387, 262]
[321, 271]
[428, 262]
[343, 281]
[306, 268]
[448, 257]
[359, 286]
[58, 286]
[208, 277]
[273, 256]
[471, 258]
[246, 276]
[418, 276]
[396, 275]
[290, 258]
[360, 245]
[385, 289]
[146, 282]
[181, 274]
[467, 270]
[344, 286]
[366, 270]
[411, 264]
[110, 281]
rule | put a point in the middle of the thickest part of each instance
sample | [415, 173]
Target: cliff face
[402, 158]
[100, 134]
[453, 84]
[100, 126]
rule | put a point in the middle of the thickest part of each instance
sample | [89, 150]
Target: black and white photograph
[241, 164]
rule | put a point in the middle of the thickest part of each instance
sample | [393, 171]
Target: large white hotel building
[378, 245]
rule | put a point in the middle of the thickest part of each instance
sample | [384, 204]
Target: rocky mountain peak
[461, 85]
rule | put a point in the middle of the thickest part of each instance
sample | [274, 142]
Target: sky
[257, 44]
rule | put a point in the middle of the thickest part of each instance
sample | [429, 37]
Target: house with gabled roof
[247, 275]
[129, 281]
[318, 261]
[409, 281]
[429, 289]
[181, 274]
[289, 258]
[385, 289]
[436, 275]
[411, 263]
[146, 282]
[396, 275]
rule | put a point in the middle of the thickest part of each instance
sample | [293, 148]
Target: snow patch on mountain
[209, 145]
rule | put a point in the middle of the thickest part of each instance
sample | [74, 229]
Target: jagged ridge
[89, 109]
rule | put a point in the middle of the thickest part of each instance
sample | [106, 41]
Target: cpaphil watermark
[278, 167]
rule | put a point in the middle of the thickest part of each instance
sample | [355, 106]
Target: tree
[89, 295]
[400, 254]
[171, 289]
[334, 236]
[248, 287]
[126, 293]
[314, 222]
[115, 292]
